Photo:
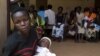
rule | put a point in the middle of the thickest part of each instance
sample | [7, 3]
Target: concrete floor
[70, 48]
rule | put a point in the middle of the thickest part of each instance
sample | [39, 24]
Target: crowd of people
[29, 26]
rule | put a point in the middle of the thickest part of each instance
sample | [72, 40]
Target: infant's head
[45, 42]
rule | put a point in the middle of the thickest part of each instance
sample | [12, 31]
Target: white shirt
[51, 16]
[81, 30]
[79, 17]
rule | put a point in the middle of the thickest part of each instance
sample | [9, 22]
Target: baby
[43, 47]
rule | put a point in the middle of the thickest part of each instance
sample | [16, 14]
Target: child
[43, 48]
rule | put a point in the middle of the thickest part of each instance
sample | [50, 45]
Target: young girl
[43, 47]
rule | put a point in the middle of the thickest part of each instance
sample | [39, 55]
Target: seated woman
[90, 27]
[43, 47]
[72, 25]
[58, 29]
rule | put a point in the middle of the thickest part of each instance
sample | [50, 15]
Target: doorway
[97, 3]
[8, 17]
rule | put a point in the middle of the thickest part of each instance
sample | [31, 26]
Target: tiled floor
[70, 48]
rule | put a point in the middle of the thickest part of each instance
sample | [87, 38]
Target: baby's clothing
[43, 51]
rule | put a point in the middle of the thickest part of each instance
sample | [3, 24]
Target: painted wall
[68, 4]
[3, 22]
[32, 2]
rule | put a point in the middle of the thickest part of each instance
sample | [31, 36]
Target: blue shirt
[42, 14]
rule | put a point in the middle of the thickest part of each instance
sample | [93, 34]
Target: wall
[97, 3]
[91, 3]
[32, 2]
[68, 4]
[3, 22]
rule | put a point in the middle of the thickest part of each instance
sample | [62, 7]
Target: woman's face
[21, 22]
[86, 13]
[60, 10]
